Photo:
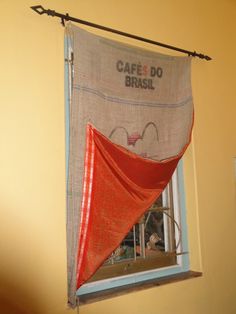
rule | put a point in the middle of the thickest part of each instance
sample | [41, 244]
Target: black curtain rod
[65, 17]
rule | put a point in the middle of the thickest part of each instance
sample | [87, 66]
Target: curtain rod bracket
[65, 17]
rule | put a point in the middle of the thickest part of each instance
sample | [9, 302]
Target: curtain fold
[118, 187]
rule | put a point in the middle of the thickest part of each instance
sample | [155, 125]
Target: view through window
[153, 242]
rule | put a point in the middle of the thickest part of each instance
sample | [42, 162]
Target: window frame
[182, 266]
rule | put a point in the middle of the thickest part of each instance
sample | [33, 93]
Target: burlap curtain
[132, 97]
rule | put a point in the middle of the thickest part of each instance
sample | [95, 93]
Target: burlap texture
[139, 99]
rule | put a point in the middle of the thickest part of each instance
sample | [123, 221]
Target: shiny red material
[119, 186]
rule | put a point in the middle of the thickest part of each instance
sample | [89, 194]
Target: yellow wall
[32, 158]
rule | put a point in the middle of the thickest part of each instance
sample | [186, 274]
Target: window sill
[114, 292]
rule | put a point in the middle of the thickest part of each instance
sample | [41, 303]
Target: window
[155, 247]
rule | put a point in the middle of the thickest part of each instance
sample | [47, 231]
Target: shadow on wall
[15, 299]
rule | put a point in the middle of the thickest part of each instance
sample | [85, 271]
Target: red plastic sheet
[118, 188]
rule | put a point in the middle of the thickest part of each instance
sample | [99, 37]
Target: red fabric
[119, 187]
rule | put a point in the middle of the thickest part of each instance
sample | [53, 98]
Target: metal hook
[63, 21]
[67, 18]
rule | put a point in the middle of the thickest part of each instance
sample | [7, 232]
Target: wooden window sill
[130, 267]
[114, 292]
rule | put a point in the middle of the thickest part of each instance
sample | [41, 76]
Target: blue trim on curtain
[67, 107]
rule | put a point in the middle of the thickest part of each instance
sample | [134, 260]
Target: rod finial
[200, 55]
[38, 9]
[208, 58]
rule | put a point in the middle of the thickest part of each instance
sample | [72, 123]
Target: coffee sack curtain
[134, 109]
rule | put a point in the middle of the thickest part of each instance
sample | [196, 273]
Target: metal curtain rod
[65, 17]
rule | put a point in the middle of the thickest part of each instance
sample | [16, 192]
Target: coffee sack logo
[141, 143]
[137, 75]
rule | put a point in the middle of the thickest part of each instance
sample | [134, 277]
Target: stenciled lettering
[119, 66]
[137, 82]
[135, 71]
[156, 72]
